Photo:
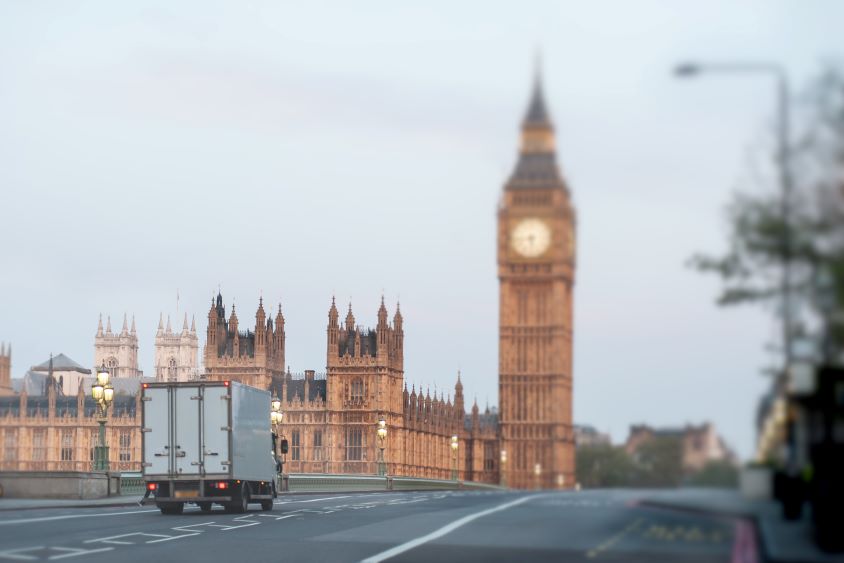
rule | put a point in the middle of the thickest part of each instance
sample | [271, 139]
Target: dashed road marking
[592, 553]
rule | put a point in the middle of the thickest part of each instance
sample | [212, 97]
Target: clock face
[531, 237]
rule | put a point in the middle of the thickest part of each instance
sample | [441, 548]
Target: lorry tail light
[152, 486]
[222, 485]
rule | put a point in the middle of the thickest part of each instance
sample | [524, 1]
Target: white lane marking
[74, 552]
[399, 549]
[17, 554]
[67, 516]
[118, 540]
[277, 517]
[311, 500]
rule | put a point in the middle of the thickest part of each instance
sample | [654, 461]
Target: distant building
[66, 373]
[585, 435]
[118, 352]
[6, 370]
[176, 353]
[699, 444]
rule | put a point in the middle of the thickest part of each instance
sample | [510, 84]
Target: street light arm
[690, 68]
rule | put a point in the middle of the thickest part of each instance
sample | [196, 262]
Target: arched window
[357, 389]
[172, 372]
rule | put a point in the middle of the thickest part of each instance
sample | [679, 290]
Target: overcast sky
[304, 150]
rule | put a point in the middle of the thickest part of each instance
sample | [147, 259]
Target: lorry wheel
[171, 507]
[267, 505]
[204, 506]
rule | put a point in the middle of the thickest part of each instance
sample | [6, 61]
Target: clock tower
[536, 266]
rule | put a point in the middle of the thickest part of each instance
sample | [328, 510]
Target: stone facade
[117, 351]
[176, 353]
[58, 433]
[536, 268]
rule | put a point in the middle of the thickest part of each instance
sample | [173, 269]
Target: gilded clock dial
[531, 237]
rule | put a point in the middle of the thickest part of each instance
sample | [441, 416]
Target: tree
[603, 465]
[660, 462]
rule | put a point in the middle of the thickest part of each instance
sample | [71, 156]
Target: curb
[58, 506]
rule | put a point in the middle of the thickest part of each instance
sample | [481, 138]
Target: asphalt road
[424, 527]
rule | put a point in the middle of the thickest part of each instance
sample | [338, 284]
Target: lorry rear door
[187, 405]
[157, 441]
[216, 424]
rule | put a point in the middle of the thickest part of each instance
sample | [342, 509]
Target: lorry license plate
[187, 494]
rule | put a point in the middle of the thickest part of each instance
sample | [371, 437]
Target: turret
[260, 326]
[100, 326]
[350, 319]
[459, 410]
[333, 331]
[235, 333]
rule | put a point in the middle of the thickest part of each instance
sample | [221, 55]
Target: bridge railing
[320, 482]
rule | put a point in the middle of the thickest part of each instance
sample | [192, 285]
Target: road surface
[424, 527]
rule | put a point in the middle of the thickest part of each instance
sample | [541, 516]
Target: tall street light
[381, 432]
[773, 70]
[454, 445]
[691, 69]
[103, 394]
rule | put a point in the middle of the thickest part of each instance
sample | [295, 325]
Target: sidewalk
[781, 540]
[7, 504]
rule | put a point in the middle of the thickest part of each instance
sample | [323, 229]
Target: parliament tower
[536, 266]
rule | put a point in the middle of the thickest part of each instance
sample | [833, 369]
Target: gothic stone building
[54, 432]
[117, 351]
[251, 357]
[176, 353]
[330, 420]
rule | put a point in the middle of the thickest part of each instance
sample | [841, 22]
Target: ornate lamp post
[103, 394]
[454, 445]
[382, 438]
[276, 417]
[502, 469]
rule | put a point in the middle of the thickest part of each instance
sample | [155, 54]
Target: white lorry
[207, 442]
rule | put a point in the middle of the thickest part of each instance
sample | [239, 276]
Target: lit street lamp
[382, 439]
[103, 394]
[454, 446]
[503, 468]
[537, 472]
